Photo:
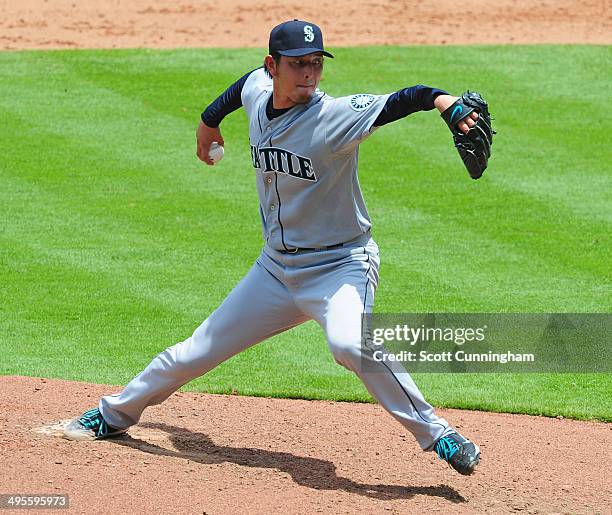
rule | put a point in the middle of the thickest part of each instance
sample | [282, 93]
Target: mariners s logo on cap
[308, 34]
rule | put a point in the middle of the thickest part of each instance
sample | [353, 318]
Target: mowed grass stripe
[124, 135]
[162, 239]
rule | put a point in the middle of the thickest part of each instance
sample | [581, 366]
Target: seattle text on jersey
[279, 160]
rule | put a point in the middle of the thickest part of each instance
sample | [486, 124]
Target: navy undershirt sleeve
[226, 103]
[408, 101]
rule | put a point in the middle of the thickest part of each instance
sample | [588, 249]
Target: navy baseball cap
[295, 38]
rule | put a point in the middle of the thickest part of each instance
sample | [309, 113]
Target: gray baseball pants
[334, 287]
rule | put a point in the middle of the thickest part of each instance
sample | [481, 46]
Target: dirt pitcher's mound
[243, 23]
[227, 454]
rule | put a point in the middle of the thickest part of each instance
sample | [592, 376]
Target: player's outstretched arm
[467, 117]
[419, 98]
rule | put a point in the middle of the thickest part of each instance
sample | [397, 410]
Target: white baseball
[216, 151]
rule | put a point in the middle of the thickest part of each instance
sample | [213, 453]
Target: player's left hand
[473, 136]
[443, 102]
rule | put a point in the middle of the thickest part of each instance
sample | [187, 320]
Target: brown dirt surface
[31, 24]
[199, 453]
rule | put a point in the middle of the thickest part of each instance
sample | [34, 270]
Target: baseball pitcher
[319, 260]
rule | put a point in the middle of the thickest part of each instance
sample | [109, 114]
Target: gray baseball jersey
[306, 165]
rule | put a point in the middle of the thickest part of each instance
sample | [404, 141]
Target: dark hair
[276, 56]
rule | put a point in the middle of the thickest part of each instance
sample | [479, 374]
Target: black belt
[299, 249]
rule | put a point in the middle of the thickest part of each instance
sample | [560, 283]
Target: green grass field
[116, 242]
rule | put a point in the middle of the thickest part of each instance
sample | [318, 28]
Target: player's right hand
[205, 135]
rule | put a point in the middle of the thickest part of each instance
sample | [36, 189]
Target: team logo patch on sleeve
[361, 101]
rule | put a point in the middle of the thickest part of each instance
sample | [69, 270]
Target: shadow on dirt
[310, 472]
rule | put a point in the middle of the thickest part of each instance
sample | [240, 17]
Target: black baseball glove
[475, 146]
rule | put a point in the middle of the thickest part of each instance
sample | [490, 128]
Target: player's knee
[203, 340]
[193, 354]
[347, 349]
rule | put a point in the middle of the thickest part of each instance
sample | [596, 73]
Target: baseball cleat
[90, 426]
[458, 452]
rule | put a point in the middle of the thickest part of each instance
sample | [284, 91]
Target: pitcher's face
[296, 78]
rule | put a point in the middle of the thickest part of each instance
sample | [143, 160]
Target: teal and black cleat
[459, 452]
[90, 426]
